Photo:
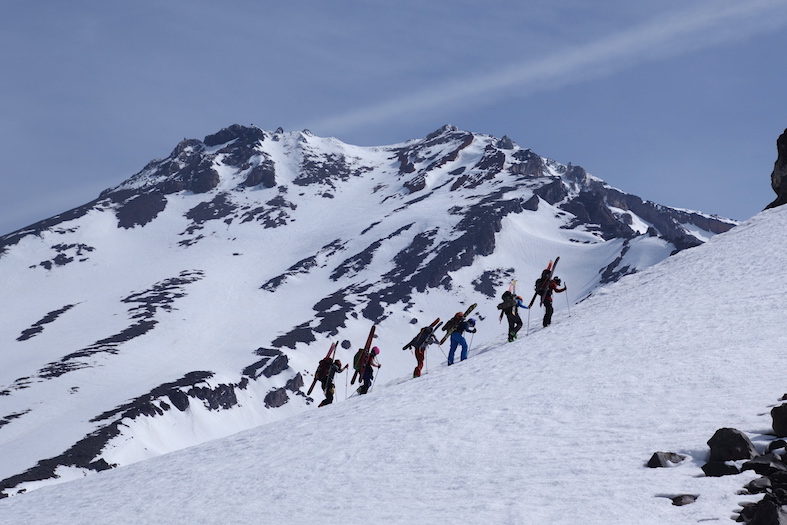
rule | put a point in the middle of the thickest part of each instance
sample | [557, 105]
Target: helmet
[556, 279]
[471, 321]
[375, 350]
[459, 314]
[338, 363]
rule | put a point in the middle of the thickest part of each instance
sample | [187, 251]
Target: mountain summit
[191, 301]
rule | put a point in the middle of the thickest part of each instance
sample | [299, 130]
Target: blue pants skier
[457, 339]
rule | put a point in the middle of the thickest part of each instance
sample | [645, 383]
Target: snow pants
[329, 393]
[549, 311]
[366, 380]
[457, 339]
[420, 354]
[514, 324]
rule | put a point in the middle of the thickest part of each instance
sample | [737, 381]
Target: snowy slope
[194, 300]
[554, 428]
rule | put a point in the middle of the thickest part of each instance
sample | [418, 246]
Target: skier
[510, 306]
[368, 374]
[551, 287]
[329, 386]
[457, 339]
[424, 338]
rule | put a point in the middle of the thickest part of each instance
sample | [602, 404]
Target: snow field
[554, 428]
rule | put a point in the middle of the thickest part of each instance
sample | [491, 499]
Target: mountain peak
[220, 273]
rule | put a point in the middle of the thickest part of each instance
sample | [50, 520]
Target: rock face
[779, 417]
[779, 174]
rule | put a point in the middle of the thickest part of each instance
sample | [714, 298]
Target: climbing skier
[330, 387]
[457, 339]
[552, 286]
[368, 374]
[424, 338]
[510, 306]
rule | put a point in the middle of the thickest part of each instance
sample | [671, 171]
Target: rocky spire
[779, 174]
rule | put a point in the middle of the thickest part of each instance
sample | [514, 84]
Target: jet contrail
[713, 23]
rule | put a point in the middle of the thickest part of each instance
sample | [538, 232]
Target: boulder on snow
[717, 469]
[771, 510]
[759, 485]
[729, 444]
[665, 459]
[779, 416]
[684, 499]
[766, 465]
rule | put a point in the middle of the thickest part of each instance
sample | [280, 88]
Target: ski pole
[441, 349]
[568, 303]
[471, 344]
[374, 379]
[528, 323]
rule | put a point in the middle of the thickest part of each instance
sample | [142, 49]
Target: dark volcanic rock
[243, 134]
[492, 280]
[772, 510]
[530, 165]
[262, 174]
[779, 417]
[765, 465]
[684, 499]
[665, 459]
[38, 326]
[140, 210]
[716, 469]
[779, 174]
[276, 398]
[729, 444]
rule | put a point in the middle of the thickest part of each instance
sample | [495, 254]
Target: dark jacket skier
[329, 387]
[510, 306]
[368, 374]
[552, 287]
[457, 339]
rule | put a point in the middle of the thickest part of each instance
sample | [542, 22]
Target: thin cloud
[712, 24]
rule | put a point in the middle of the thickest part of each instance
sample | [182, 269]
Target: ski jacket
[334, 370]
[426, 338]
[464, 326]
[553, 288]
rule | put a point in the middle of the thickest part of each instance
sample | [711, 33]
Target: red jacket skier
[552, 287]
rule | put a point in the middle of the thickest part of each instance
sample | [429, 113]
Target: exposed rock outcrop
[779, 174]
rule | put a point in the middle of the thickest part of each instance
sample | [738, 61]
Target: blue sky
[677, 101]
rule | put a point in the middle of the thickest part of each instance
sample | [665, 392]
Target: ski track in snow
[553, 428]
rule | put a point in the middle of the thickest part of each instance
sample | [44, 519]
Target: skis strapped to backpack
[362, 357]
[323, 367]
[425, 332]
[543, 286]
[453, 323]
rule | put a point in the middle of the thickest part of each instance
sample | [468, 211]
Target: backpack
[422, 336]
[508, 300]
[323, 368]
[451, 325]
[359, 360]
[541, 283]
